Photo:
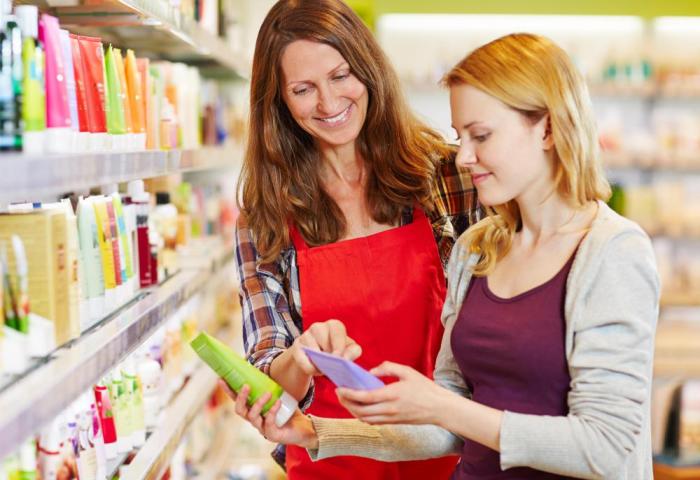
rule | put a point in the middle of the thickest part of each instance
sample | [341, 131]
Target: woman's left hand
[414, 399]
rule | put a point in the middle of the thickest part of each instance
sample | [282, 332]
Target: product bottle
[72, 92]
[125, 248]
[9, 294]
[33, 114]
[92, 273]
[106, 415]
[22, 291]
[129, 211]
[132, 384]
[172, 364]
[141, 201]
[106, 252]
[122, 413]
[168, 126]
[236, 371]
[150, 373]
[98, 439]
[165, 222]
[27, 461]
[58, 118]
[50, 451]
[69, 437]
[10, 81]
[87, 455]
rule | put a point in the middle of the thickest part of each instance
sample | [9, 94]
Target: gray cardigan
[611, 309]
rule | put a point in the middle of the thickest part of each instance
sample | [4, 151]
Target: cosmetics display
[117, 210]
[70, 93]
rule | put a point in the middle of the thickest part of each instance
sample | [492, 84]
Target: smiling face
[322, 94]
[506, 153]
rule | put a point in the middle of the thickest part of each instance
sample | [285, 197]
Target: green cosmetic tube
[236, 371]
[116, 125]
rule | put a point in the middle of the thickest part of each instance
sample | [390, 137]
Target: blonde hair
[280, 178]
[532, 75]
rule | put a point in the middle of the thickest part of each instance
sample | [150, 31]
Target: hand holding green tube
[237, 372]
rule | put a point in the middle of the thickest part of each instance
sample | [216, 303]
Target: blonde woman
[546, 361]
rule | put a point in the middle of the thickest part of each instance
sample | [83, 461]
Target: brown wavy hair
[280, 177]
[535, 77]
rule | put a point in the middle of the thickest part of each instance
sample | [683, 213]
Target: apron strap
[418, 213]
[297, 238]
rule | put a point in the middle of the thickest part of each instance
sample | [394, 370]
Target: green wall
[369, 10]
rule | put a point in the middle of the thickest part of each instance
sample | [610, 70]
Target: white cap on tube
[287, 408]
[28, 20]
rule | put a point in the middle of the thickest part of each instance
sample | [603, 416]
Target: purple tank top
[511, 353]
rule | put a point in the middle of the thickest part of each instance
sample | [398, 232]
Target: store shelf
[669, 472]
[154, 457]
[42, 393]
[680, 299]
[622, 162]
[644, 91]
[152, 28]
[32, 178]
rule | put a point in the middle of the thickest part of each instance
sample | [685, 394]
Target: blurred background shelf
[680, 299]
[153, 458]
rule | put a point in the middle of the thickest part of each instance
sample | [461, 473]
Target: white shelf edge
[35, 399]
[30, 178]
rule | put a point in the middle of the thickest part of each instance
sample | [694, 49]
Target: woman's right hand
[297, 431]
[330, 337]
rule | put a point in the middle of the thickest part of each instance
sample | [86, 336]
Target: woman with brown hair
[345, 195]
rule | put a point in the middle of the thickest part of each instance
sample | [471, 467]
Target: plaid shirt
[269, 292]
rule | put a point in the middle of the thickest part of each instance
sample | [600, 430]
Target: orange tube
[146, 86]
[133, 81]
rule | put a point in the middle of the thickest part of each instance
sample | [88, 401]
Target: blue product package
[342, 372]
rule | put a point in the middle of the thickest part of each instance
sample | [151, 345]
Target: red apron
[388, 290]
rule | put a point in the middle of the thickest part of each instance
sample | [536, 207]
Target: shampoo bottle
[236, 371]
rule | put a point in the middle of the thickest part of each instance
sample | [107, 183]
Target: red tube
[92, 57]
[79, 73]
[106, 414]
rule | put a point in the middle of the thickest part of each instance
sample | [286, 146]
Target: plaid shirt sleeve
[270, 301]
[269, 325]
[456, 206]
